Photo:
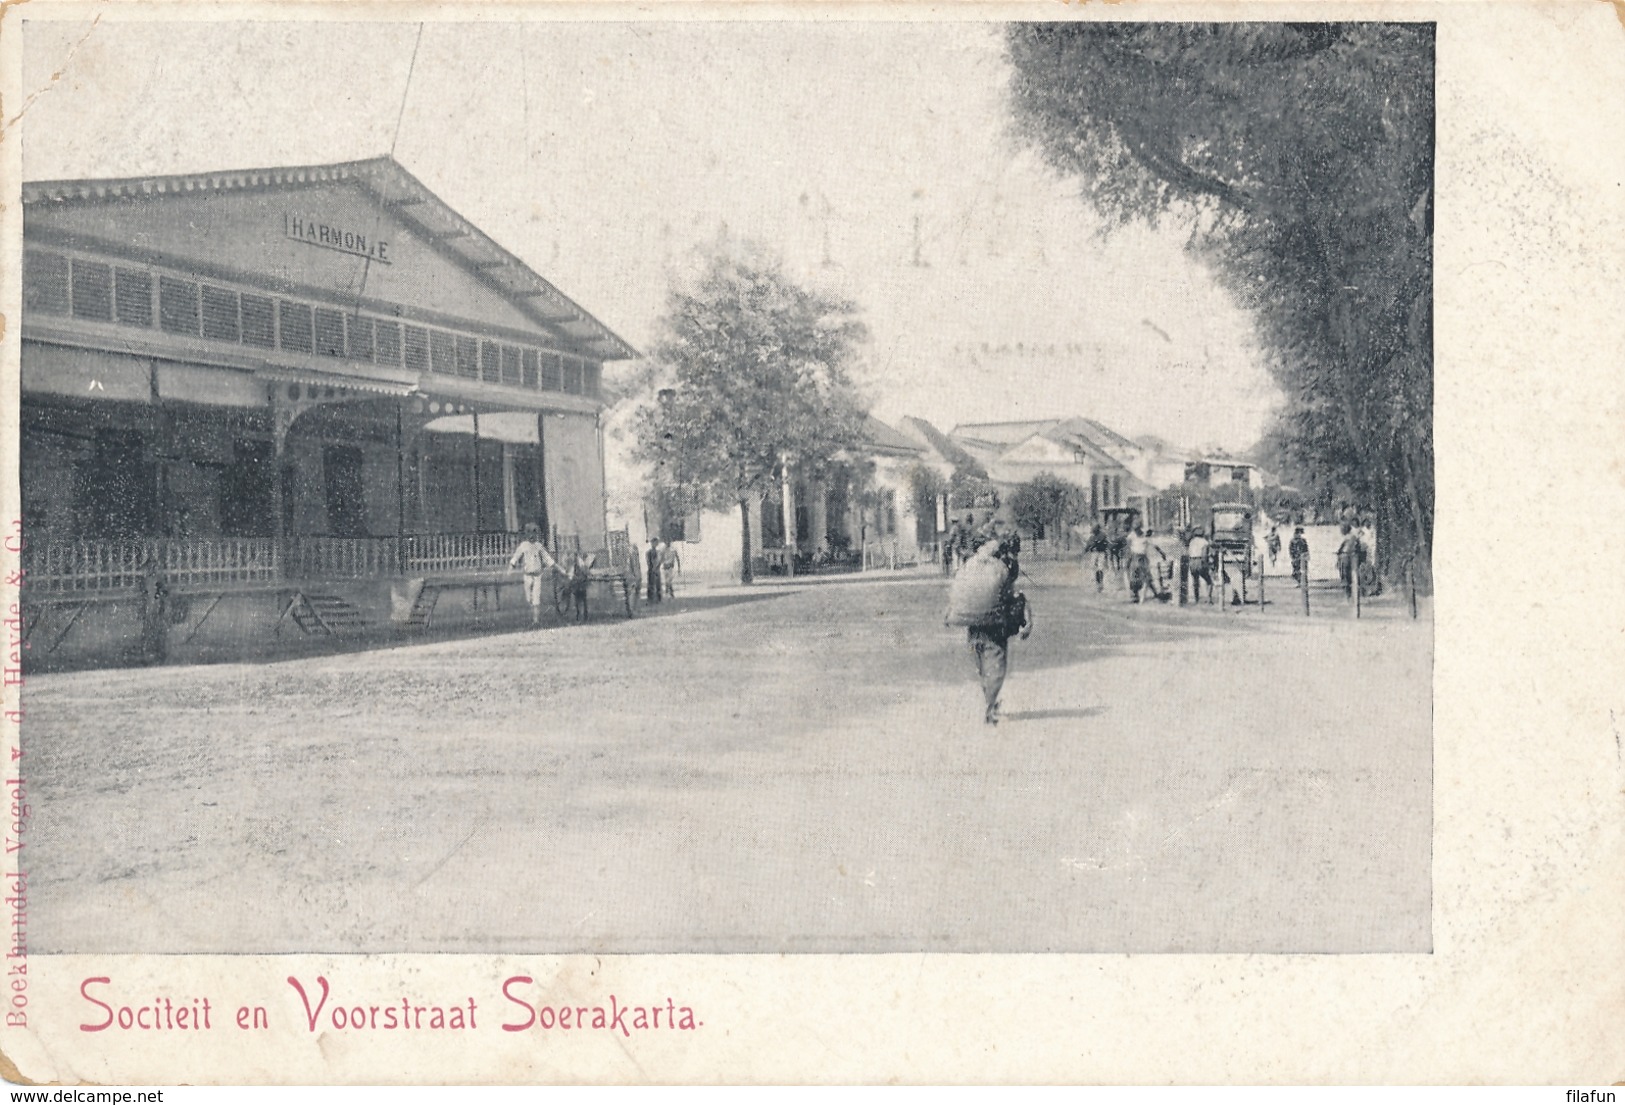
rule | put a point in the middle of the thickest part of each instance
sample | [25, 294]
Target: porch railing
[451, 553]
[101, 566]
[73, 566]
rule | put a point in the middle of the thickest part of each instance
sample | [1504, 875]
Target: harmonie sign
[317, 233]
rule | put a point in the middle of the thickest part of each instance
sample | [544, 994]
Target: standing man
[652, 564]
[967, 539]
[1201, 569]
[1348, 559]
[533, 559]
[950, 547]
[1098, 548]
[1139, 564]
[1298, 552]
[670, 562]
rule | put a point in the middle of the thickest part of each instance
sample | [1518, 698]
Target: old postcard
[586, 543]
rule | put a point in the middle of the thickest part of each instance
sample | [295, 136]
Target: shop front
[271, 404]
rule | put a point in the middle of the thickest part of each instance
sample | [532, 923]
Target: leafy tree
[1048, 502]
[969, 487]
[1299, 157]
[759, 373]
[925, 486]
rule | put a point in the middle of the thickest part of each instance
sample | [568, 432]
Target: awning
[511, 427]
[338, 381]
[215, 387]
[85, 373]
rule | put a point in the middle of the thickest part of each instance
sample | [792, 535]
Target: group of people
[538, 565]
[659, 566]
[1132, 553]
[960, 542]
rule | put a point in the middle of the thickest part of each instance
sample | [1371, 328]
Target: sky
[875, 158]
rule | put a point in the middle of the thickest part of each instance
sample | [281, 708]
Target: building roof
[950, 450]
[1002, 433]
[407, 199]
[884, 439]
[1101, 435]
[1074, 435]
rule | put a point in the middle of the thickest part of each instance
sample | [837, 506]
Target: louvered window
[178, 306]
[293, 322]
[389, 342]
[491, 362]
[92, 290]
[329, 332]
[528, 368]
[132, 297]
[468, 357]
[444, 350]
[359, 333]
[510, 365]
[416, 344]
[552, 372]
[259, 321]
[45, 282]
[592, 379]
[220, 315]
[572, 376]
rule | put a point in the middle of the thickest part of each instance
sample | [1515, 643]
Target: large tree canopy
[1300, 157]
[757, 372]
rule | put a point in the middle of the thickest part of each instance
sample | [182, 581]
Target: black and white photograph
[731, 487]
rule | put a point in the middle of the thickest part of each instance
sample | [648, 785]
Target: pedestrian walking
[1098, 549]
[1273, 544]
[1140, 547]
[652, 564]
[950, 547]
[532, 558]
[1010, 616]
[1297, 551]
[670, 564]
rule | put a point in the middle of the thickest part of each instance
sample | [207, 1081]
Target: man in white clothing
[533, 559]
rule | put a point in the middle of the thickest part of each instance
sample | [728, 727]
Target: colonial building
[302, 398]
[1079, 450]
[856, 513]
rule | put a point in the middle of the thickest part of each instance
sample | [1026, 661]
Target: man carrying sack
[982, 598]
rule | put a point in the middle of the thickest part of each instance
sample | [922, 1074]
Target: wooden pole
[400, 491]
[479, 518]
[1303, 582]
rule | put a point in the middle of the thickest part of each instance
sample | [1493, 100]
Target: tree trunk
[745, 575]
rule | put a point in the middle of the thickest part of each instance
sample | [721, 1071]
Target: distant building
[1078, 450]
[842, 517]
[283, 391]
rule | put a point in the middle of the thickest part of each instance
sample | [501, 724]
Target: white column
[818, 509]
[789, 519]
[510, 500]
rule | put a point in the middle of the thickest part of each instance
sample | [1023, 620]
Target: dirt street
[797, 769]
